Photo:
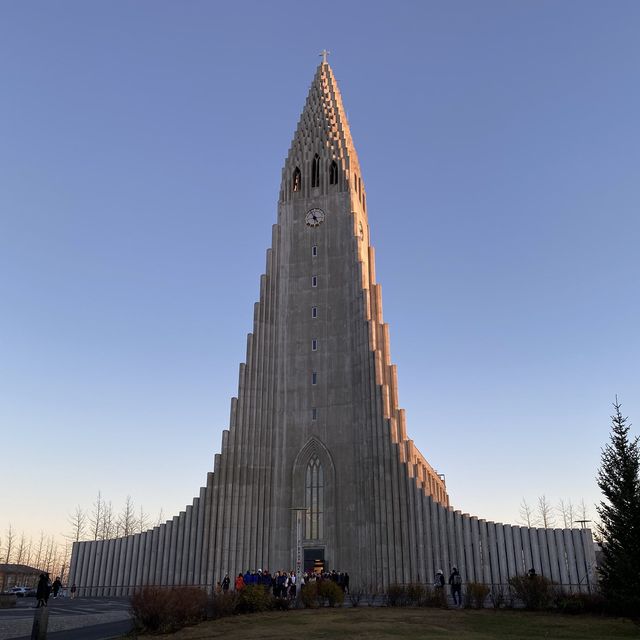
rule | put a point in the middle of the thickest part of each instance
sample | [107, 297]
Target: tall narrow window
[315, 171]
[314, 281]
[333, 173]
[314, 500]
[314, 413]
[355, 182]
[297, 179]
[314, 312]
[314, 250]
[314, 378]
[314, 344]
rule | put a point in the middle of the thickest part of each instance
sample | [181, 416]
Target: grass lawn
[376, 623]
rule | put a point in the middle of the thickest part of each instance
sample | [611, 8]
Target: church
[316, 467]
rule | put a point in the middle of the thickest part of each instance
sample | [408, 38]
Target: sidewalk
[80, 619]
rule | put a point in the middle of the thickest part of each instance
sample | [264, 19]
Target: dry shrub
[536, 592]
[475, 594]
[577, 603]
[8, 600]
[331, 592]
[254, 598]
[281, 604]
[168, 609]
[223, 604]
[415, 594]
[309, 594]
[435, 597]
[397, 595]
[355, 596]
[497, 596]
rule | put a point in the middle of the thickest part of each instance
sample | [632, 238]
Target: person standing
[439, 581]
[239, 582]
[226, 581]
[73, 590]
[455, 580]
[56, 587]
[42, 591]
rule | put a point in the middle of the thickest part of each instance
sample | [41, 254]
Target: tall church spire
[322, 154]
[316, 426]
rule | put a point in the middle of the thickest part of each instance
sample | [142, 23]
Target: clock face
[314, 217]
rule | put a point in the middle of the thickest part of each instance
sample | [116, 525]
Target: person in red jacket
[239, 582]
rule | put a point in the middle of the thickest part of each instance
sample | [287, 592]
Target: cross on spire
[324, 53]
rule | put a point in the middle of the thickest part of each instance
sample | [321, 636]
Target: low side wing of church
[317, 454]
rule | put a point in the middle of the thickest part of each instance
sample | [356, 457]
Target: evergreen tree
[619, 480]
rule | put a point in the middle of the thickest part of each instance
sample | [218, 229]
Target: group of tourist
[283, 584]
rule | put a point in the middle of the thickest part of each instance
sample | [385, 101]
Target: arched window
[297, 180]
[333, 173]
[314, 500]
[315, 171]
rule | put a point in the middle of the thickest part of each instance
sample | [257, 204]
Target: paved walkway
[79, 619]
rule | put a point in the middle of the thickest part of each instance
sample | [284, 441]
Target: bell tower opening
[297, 180]
[315, 171]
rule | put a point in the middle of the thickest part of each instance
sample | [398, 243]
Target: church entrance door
[313, 558]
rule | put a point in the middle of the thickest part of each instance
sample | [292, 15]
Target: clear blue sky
[141, 145]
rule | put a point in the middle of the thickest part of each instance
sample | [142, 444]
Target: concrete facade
[316, 422]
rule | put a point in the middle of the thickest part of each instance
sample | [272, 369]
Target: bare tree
[545, 513]
[142, 522]
[583, 510]
[127, 519]
[9, 544]
[160, 519]
[567, 513]
[21, 550]
[77, 520]
[526, 514]
[28, 552]
[49, 555]
[96, 519]
[108, 530]
[37, 561]
[64, 559]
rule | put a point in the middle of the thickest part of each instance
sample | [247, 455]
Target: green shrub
[536, 592]
[476, 593]
[254, 598]
[331, 592]
[167, 609]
